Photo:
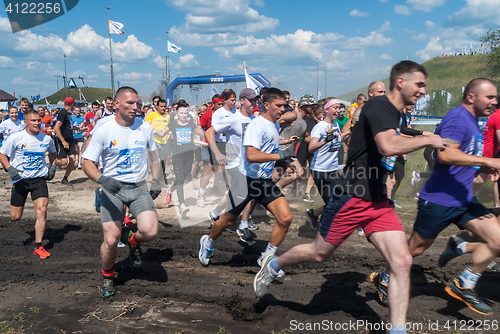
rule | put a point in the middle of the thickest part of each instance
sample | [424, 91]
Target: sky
[337, 46]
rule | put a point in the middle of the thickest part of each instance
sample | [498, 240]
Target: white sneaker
[204, 253]
[415, 178]
[264, 277]
[213, 217]
[281, 273]
[201, 200]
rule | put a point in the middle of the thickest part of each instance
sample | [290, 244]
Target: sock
[385, 277]
[215, 213]
[38, 245]
[468, 278]
[243, 224]
[110, 273]
[209, 243]
[127, 214]
[201, 191]
[270, 249]
[461, 247]
[132, 240]
[274, 265]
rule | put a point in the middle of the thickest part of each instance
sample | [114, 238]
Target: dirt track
[173, 293]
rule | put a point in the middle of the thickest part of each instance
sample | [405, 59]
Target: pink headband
[331, 103]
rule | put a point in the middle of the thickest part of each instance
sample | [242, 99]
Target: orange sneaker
[168, 198]
[40, 251]
[127, 222]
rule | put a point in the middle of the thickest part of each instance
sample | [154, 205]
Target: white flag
[48, 105]
[319, 95]
[115, 28]
[214, 91]
[252, 83]
[173, 48]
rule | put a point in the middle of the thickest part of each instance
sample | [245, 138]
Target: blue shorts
[433, 218]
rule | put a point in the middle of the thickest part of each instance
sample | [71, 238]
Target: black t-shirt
[182, 136]
[364, 176]
[65, 118]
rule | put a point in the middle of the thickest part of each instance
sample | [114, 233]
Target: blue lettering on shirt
[129, 160]
[33, 160]
[184, 135]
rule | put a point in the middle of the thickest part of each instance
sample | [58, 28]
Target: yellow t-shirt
[355, 105]
[160, 123]
[151, 116]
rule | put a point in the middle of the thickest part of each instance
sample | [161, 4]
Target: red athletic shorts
[345, 214]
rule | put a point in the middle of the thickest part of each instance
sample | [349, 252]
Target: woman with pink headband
[326, 138]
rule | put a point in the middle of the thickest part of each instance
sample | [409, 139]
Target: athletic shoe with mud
[107, 287]
[204, 253]
[213, 217]
[245, 235]
[382, 288]
[264, 277]
[468, 296]
[281, 273]
[168, 198]
[252, 226]
[307, 198]
[127, 222]
[451, 251]
[183, 209]
[201, 200]
[120, 244]
[313, 220]
[65, 181]
[40, 251]
[135, 254]
[493, 267]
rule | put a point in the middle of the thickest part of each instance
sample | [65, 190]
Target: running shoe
[120, 244]
[252, 226]
[183, 209]
[382, 288]
[79, 166]
[468, 296]
[307, 198]
[451, 251]
[201, 200]
[204, 253]
[107, 287]
[281, 273]
[396, 205]
[494, 267]
[168, 198]
[40, 251]
[245, 235]
[417, 196]
[265, 276]
[127, 222]
[361, 233]
[415, 178]
[135, 254]
[313, 220]
[186, 183]
[65, 181]
[213, 217]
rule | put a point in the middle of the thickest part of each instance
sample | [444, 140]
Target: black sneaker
[245, 235]
[107, 287]
[313, 220]
[382, 288]
[65, 181]
[450, 252]
[468, 296]
[135, 253]
[493, 267]
[252, 226]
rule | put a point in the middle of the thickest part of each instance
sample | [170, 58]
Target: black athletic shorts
[264, 191]
[303, 154]
[326, 182]
[63, 153]
[37, 187]
[222, 149]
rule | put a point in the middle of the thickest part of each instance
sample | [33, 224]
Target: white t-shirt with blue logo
[263, 135]
[8, 127]
[234, 127]
[217, 116]
[326, 158]
[27, 153]
[123, 149]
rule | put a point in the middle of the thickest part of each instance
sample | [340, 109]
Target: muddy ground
[173, 293]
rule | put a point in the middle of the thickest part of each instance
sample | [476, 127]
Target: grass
[89, 92]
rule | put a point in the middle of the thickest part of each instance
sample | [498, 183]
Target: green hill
[89, 93]
[446, 73]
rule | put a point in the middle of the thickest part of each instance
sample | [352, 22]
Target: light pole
[167, 72]
[317, 79]
[111, 58]
[65, 75]
[325, 81]
[57, 80]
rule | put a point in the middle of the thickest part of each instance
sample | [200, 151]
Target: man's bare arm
[389, 143]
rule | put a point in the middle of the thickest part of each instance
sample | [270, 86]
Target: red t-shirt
[206, 121]
[89, 117]
[47, 119]
[490, 140]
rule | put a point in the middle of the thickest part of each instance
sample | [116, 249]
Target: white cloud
[159, 62]
[375, 40]
[133, 76]
[430, 24]
[259, 3]
[6, 61]
[32, 65]
[187, 61]
[385, 27]
[107, 68]
[385, 57]
[358, 13]
[423, 55]
[383, 0]
[400, 9]
[425, 5]
[420, 37]
[487, 11]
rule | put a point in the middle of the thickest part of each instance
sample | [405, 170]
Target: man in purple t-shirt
[447, 198]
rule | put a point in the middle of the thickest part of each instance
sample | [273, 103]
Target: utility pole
[325, 82]
[111, 58]
[167, 70]
[57, 80]
[65, 76]
[317, 79]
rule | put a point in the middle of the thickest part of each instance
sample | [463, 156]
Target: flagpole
[167, 69]
[111, 58]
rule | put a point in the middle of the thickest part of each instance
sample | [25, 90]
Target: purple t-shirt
[449, 185]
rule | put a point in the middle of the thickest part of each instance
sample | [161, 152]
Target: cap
[227, 94]
[248, 93]
[307, 100]
[69, 100]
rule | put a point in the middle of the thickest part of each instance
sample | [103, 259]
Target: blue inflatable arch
[211, 80]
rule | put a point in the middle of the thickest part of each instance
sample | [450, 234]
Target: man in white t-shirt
[259, 152]
[28, 172]
[124, 144]
[11, 125]
[104, 112]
